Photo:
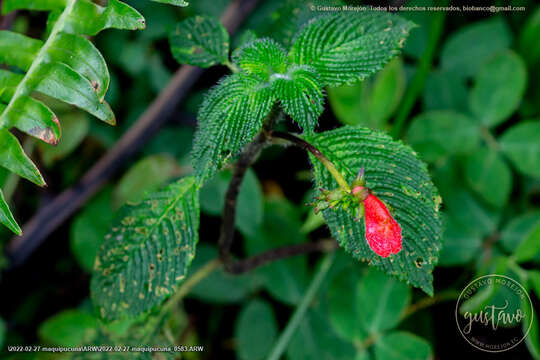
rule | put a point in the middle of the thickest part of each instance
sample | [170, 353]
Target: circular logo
[494, 313]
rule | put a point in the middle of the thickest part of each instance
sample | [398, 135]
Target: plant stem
[300, 311]
[295, 140]
[263, 258]
[428, 301]
[419, 79]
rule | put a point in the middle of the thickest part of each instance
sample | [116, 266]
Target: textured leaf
[498, 88]
[6, 217]
[402, 345]
[69, 328]
[262, 58]
[521, 144]
[230, 116]
[200, 41]
[437, 134]
[465, 51]
[148, 252]
[345, 48]
[13, 158]
[255, 331]
[399, 178]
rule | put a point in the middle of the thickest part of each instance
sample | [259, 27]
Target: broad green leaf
[400, 345]
[530, 246]
[489, 176]
[145, 176]
[418, 39]
[13, 158]
[18, 50]
[6, 217]
[498, 88]
[250, 202]
[2, 333]
[445, 91]
[255, 331]
[518, 229]
[287, 279]
[200, 41]
[382, 301]
[89, 228]
[229, 118]
[345, 48]
[438, 134]
[466, 50]
[221, 287]
[399, 178]
[69, 328]
[528, 39]
[148, 252]
[262, 58]
[300, 94]
[461, 243]
[75, 127]
[10, 5]
[521, 143]
[173, 2]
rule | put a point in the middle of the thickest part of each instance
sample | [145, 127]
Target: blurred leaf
[3, 331]
[461, 243]
[466, 50]
[517, 230]
[528, 43]
[220, 286]
[398, 177]
[256, 330]
[145, 176]
[417, 41]
[69, 328]
[89, 228]
[437, 134]
[250, 205]
[445, 91]
[370, 103]
[200, 41]
[534, 277]
[400, 345]
[530, 246]
[533, 337]
[148, 252]
[489, 176]
[286, 279]
[498, 88]
[521, 143]
[174, 140]
[75, 127]
[173, 2]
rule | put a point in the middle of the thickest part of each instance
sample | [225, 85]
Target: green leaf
[445, 91]
[438, 134]
[530, 246]
[255, 331]
[521, 144]
[148, 252]
[399, 178]
[498, 88]
[221, 287]
[18, 50]
[262, 58]
[466, 50]
[250, 202]
[200, 41]
[69, 328]
[461, 243]
[13, 158]
[400, 345]
[528, 39]
[534, 279]
[344, 48]
[2, 333]
[489, 176]
[89, 228]
[75, 127]
[173, 2]
[146, 175]
[229, 118]
[6, 217]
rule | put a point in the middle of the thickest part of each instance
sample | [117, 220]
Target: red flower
[383, 233]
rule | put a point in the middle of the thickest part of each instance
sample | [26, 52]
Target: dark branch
[51, 216]
[251, 263]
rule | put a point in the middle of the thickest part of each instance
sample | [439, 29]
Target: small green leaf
[261, 58]
[18, 50]
[528, 39]
[530, 246]
[148, 252]
[466, 50]
[521, 143]
[399, 178]
[489, 176]
[438, 134]
[255, 331]
[181, 3]
[200, 41]
[69, 328]
[498, 88]
[13, 158]
[518, 229]
[400, 345]
[146, 175]
[344, 48]
[6, 217]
